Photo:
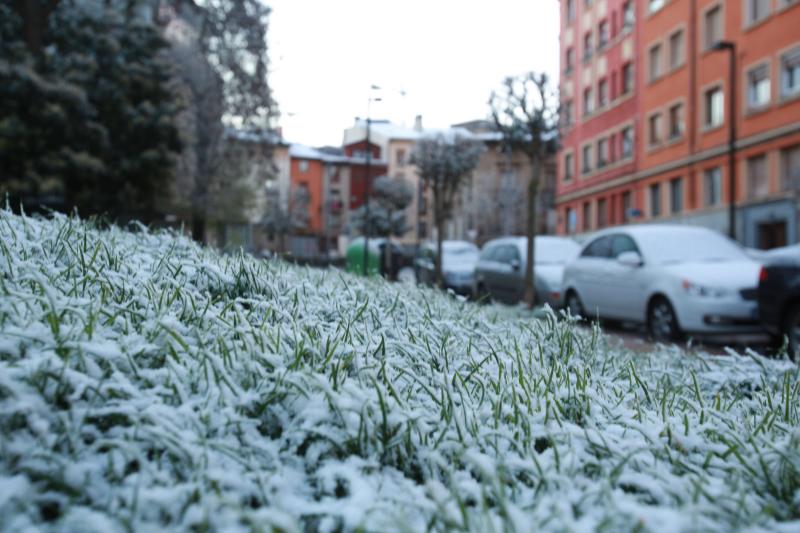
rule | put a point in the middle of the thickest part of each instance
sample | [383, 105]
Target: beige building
[493, 202]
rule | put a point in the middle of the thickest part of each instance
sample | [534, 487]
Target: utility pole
[367, 179]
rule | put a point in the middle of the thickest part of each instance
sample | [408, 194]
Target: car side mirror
[630, 259]
[515, 265]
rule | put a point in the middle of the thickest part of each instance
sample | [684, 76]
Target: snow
[150, 384]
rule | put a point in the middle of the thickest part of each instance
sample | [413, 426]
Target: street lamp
[730, 47]
[367, 181]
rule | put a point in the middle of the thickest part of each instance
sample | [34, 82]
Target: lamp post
[367, 182]
[730, 47]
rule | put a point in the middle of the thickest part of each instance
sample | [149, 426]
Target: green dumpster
[355, 256]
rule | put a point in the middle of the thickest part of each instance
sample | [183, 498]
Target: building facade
[601, 98]
[320, 188]
[681, 169]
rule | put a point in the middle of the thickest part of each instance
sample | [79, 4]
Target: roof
[301, 151]
[654, 229]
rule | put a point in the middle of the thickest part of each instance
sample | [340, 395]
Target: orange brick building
[683, 121]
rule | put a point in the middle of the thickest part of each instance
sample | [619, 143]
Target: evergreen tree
[89, 122]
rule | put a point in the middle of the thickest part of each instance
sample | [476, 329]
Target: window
[758, 93]
[757, 177]
[790, 168]
[655, 5]
[626, 206]
[655, 200]
[569, 167]
[587, 216]
[506, 254]
[570, 60]
[599, 248]
[627, 142]
[715, 107]
[676, 50]
[587, 46]
[790, 73]
[588, 103]
[602, 93]
[655, 128]
[621, 244]
[587, 159]
[756, 10]
[713, 26]
[712, 186]
[602, 153]
[676, 123]
[676, 195]
[629, 18]
[655, 62]
[570, 11]
[400, 157]
[602, 213]
[303, 166]
[572, 220]
[568, 116]
[602, 35]
[627, 78]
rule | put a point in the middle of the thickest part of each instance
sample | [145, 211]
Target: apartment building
[320, 187]
[600, 102]
[684, 128]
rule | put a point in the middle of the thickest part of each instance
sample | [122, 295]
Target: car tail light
[763, 275]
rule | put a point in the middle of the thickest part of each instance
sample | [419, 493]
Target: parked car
[458, 265]
[500, 272]
[779, 296]
[675, 279]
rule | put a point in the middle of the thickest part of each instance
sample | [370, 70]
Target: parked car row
[677, 280]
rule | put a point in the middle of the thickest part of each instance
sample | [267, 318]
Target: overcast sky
[446, 55]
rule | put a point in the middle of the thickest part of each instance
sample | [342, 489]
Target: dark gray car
[500, 271]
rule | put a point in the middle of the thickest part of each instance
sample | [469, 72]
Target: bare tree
[526, 113]
[222, 59]
[444, 162]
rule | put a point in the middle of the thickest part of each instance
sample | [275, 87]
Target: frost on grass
[148, 384]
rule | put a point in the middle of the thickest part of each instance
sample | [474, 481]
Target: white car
[675, 279]
[500, 272]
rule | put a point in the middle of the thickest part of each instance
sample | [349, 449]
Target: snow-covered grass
[147, 384]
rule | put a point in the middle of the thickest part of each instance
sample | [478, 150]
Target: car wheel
[662, 322]
[574, 305]
[791, 330]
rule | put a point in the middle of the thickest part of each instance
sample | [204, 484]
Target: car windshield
[556, 251]
[682, 246]
[457, 256]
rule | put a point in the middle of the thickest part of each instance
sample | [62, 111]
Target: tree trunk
[533, 197]
[438, 262]
[199, 228]
[388, 255]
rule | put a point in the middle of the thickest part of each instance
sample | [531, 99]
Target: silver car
[500, 272]
[458, 265]
[675, 279]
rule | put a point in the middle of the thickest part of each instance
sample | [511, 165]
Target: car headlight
[703, 291]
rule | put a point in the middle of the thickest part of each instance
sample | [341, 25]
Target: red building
[601, 98]
[680, 169]
[357, 153]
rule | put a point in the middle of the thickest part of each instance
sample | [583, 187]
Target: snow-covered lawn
[147, 384]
